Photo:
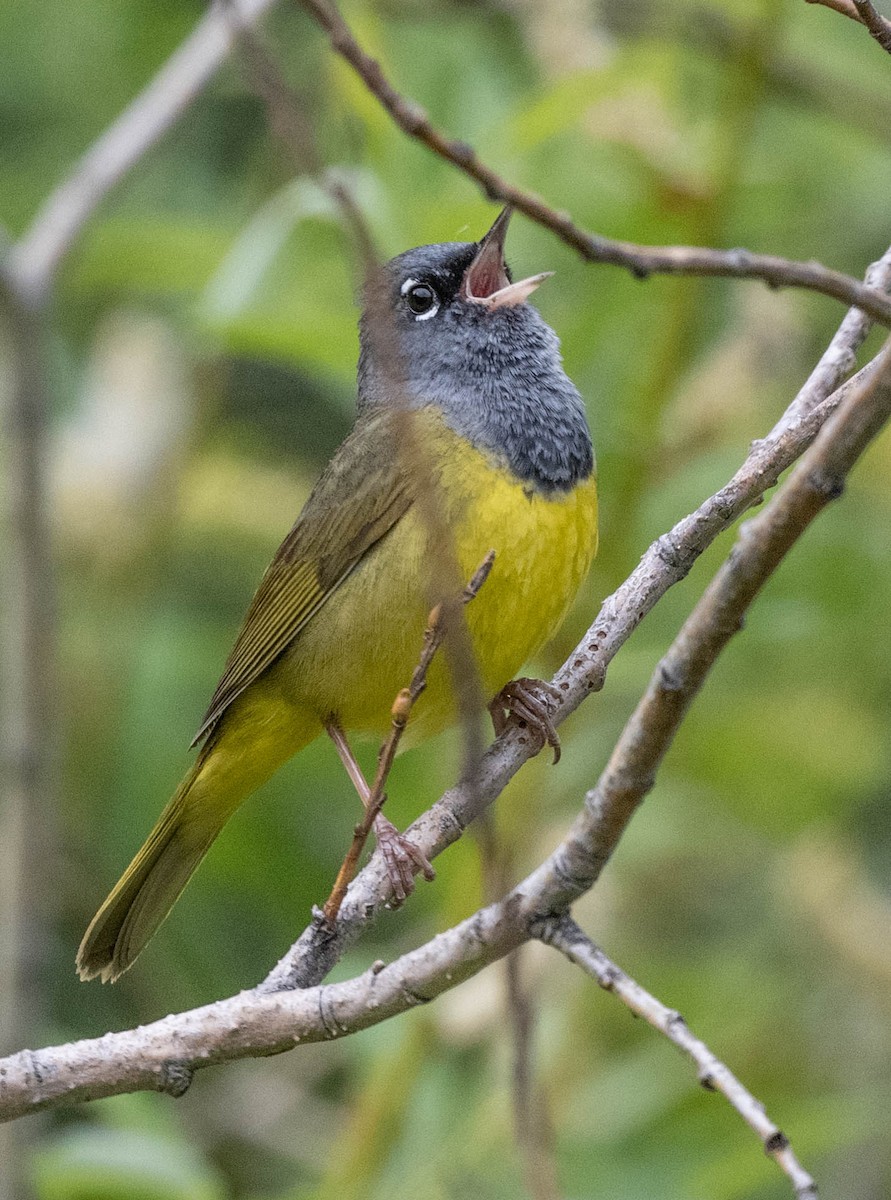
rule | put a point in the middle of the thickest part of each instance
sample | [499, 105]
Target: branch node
[175, 1079]
[329, 1024]
[413, 997]
[463, 154]
[674, 1022]
[608, 977]
[671, 680]
[673, 558]
[401, 708]
[827, 484]
[775, 1142]
[415, 118]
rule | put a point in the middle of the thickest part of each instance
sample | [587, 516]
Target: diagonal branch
[866, 13]
[879, 27]
[564, 935]
[760, 548]
[666, 562]
[163, 1056]
[641, 261]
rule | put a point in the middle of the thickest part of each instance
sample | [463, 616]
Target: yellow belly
[361, 647]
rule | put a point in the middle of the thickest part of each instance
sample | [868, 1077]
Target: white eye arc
[421, 299]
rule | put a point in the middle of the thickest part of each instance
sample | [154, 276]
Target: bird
[335, 626]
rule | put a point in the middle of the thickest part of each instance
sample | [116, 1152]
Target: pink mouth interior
[484, 279]
[485, 276]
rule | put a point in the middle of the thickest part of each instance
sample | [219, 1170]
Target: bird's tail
[226, 771]
[150, 886]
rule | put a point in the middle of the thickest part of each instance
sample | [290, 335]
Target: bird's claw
[402, 858]
[531, 701]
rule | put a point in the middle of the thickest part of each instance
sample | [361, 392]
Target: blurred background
[201, 364]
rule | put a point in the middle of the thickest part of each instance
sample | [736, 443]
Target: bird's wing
[361, 495]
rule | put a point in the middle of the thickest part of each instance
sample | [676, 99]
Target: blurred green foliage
[202, 364]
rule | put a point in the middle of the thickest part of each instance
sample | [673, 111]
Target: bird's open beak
[486, 280]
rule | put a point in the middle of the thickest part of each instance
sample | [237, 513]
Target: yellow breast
[361, 648]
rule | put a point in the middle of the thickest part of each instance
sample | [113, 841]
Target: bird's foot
[530, 701]
[402, 858]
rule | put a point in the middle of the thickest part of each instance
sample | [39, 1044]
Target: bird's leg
[402, 858]
[530, 701]
[346, 756]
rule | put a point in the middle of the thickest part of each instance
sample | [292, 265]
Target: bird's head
[445, 326]
[444, 307]
[472, 278]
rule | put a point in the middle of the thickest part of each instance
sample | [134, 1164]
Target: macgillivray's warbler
[335, 627]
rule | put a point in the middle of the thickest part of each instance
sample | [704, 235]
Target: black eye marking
[421, 299]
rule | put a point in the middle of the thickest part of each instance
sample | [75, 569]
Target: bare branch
[35, 258]
[845, 7]
[162, 1056]
[533, 1128]
[666, 562]
[563, 934]
[878, 26]
[288, 119]
[866, 13]
[762, 544]
[641, 261]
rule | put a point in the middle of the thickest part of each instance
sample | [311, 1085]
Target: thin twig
[878, 26]
[865, 13]
[533, 1128]
[408, 697]
[400, 714]
[28, 726]
[641, 261]
[564, 935]
[35, 259]
[287, 118]
[845, 7]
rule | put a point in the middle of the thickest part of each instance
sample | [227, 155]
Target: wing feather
[361, 495]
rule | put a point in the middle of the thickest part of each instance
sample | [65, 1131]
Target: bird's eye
[420, 298]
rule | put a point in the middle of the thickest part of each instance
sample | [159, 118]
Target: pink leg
[342, 746]
[529, 701]
[402, 858]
